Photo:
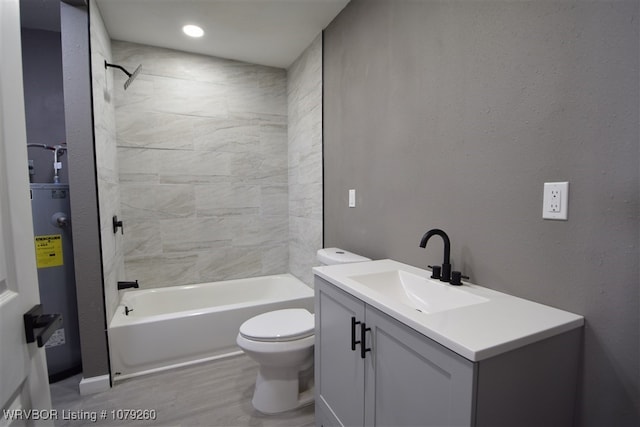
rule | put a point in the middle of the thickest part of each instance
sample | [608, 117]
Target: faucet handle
[456, 278]
[435, 271]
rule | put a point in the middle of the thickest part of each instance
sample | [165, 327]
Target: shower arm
[106, 65]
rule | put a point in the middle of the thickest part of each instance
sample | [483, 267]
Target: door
[414, 381]
[339, 366]
[23, 373]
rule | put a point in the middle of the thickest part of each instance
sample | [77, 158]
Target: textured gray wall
[453, 115]
[82, 181]
[44, 100]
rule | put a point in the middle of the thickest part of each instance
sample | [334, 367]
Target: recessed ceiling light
[193, 31]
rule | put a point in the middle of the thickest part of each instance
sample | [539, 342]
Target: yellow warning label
[49, 250]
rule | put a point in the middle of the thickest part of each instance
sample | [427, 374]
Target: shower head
[132, 76]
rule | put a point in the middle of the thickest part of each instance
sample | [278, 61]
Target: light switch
[352, 198]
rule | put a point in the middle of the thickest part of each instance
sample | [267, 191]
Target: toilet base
[277, 390]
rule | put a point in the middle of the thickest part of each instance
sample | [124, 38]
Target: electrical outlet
[555, 200]
[554, 203]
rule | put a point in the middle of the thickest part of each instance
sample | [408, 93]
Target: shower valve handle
[117, 224]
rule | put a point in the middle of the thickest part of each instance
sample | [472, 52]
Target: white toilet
[281, 342]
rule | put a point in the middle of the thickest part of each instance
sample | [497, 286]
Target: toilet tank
[331, 256]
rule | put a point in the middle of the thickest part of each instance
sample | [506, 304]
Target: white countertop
[476, 332]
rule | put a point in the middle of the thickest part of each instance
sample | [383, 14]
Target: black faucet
[126, 285]
[445, 273]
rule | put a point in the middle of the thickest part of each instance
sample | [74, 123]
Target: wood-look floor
[211, 394]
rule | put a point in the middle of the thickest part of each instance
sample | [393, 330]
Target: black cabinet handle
[363, 339]
[353, 333]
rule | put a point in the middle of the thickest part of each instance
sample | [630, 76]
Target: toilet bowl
[281, 342]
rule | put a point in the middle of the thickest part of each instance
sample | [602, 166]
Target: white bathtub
[181, 325]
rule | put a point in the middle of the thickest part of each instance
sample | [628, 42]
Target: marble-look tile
[273, 140]
[140, 161]
[305, 240]
[274, 199]
[149, 201]
[272, 170]
[257, 167]
[189, 97]
[196, 234]
[183, 65]
[304, 93]
[137, 200]
[108, 201]
[259, 118]
[138, 96]
[246, 165]
[309, 169]
[142, 237]
[202, 146]
[227, 135]
[150, 129]
[163, 270]
[230, 263]
[111, 293]
[105, 147]
[175, 201]
[108, 248]
[261, 231]
[265, 100]
[106, 158]
[304, 201]
[218, 198]
[185, 163]
[275, 259]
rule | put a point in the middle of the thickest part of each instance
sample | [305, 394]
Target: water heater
[56, 275]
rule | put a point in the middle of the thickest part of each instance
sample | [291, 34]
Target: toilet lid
[280, 325]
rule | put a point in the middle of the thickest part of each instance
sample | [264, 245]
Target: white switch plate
[555, 203]
[352, 198]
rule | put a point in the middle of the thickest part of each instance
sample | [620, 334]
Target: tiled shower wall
[202, 155]
[106, 159]
[304, 93]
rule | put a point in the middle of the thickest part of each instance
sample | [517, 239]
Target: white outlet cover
[555, 202]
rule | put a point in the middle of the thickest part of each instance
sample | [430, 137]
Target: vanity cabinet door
[339, 370]
[412, 380]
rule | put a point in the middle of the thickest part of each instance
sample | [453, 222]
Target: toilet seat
[280, 325]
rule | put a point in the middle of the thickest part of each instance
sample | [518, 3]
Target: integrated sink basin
[417, 292]
[474, 321]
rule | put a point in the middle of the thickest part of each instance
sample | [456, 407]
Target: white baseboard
[94, 385]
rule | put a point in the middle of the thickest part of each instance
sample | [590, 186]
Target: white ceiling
[267, 32]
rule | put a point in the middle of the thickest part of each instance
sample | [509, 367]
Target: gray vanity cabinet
[405, 379]
[339, 371]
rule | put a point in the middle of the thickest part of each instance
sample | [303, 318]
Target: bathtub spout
[126, 285]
